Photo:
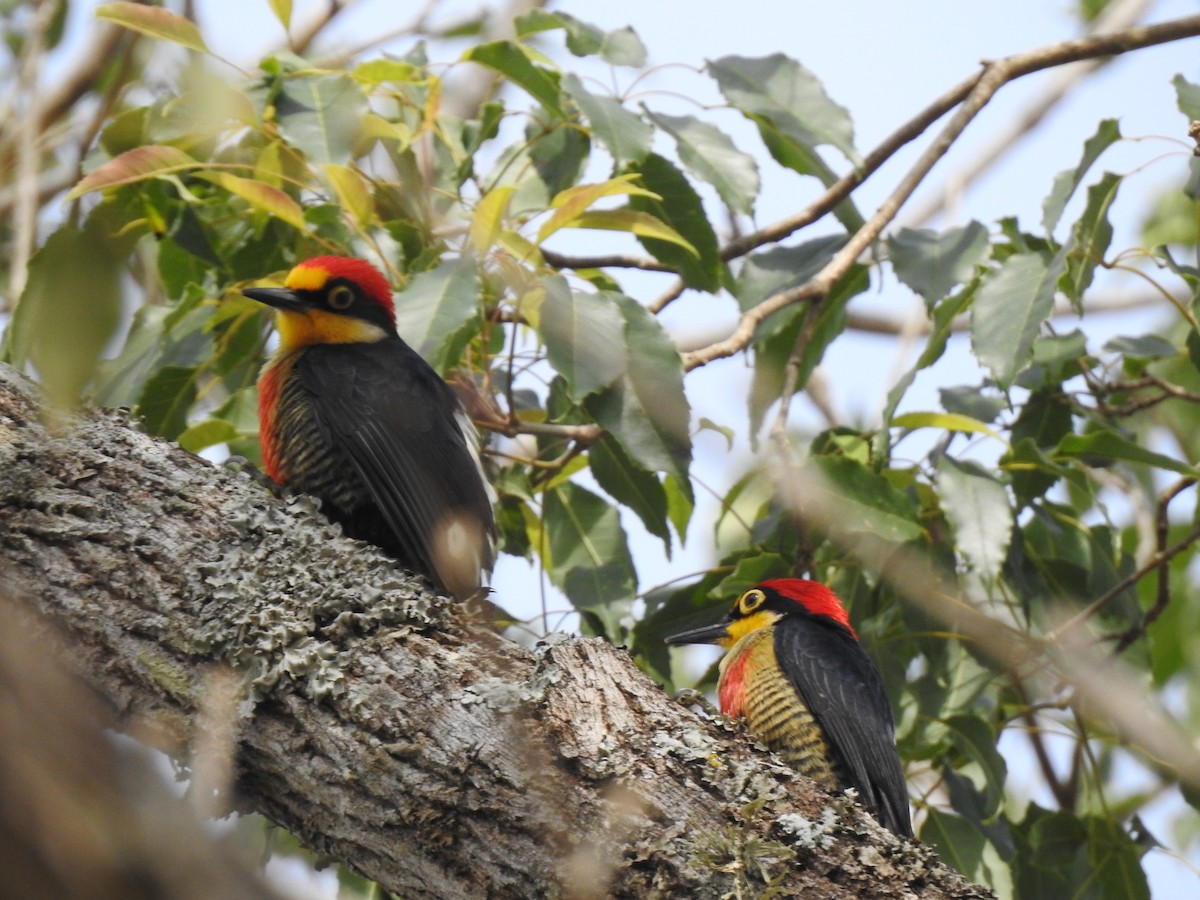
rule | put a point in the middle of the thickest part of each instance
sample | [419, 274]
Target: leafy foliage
[1031, 500]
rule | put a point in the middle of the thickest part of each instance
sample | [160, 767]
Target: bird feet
[241, 465]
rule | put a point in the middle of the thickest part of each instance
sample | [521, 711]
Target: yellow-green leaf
[571, 203]
[377, 71]
[489, 213]
[263, 196]
[353, 192]
[134, 165]
[206, 434]
[639, 223]
[283, 12]
[155, 22]
[520, 247]
[946, 421]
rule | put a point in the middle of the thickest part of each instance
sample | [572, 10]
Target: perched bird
[795, 670]
[350, 413]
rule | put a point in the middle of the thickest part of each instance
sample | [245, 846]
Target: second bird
[795, 670]
[352, 414]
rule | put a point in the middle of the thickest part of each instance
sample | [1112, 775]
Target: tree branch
[378, 722]
[993, 76]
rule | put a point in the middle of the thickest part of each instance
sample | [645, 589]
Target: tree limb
[377, 721]
[980, 90]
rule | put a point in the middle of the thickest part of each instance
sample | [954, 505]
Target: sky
[883, 62]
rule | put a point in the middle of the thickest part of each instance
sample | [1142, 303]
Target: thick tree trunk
[384, 727]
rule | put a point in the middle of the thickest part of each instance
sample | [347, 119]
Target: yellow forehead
[306, 278]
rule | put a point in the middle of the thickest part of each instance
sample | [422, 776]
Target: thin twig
[1034, 732]
[1160, 558]
[613, 261]
[1163, 587]
[791, 377]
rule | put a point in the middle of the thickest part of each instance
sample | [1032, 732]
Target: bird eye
[750, 601]
[340, 297]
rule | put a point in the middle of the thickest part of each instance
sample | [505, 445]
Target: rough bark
[384, 727]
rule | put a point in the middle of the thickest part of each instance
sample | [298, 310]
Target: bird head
[766, 604]
[330, 300]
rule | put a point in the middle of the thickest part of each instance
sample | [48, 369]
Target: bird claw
[692, 697]
[242, 465]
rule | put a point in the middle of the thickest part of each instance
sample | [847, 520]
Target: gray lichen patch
[810, 835]
[504, 695]
[270, 608]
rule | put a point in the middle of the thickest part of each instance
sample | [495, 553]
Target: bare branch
[993, 76]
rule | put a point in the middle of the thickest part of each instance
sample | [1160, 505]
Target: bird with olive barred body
[794, 669]
[352, 414]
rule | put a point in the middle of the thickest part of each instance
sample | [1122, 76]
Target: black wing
[402, 429]
[842, 689]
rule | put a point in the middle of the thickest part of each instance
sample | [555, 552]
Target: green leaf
[750, 570]
[957, 841]
[975, 740]
[438, 312]
[711, 156]
[134, 165]
[1090, 238]
[1146, 346]
[865, 502]
[631, 485]
[973, 401]
[587, 554]
[165, 400]
[1066, 182]
[780, 269]
[1116, 861]
[321, 115]
[782, 91]
[207, 434]
[681, 503]
[626, 135]
[155, 22]
[1110, 445]
[945, 421]
[487, 220]
[932, 264]
[353, 193]
[584, 335]
[516, 63]
[1187, 96]
[1008, 313]
[620, 47]
[641, 224]
[69, 309]
[570, 204]
[263, 196]
[283, 12]
[977, 506]
[679, 206]
[646, 408]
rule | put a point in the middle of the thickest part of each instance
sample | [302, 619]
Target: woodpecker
[794, 669]
[352, 414]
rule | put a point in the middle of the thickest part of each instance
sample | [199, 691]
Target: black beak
[708, 634]
[280, 298]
